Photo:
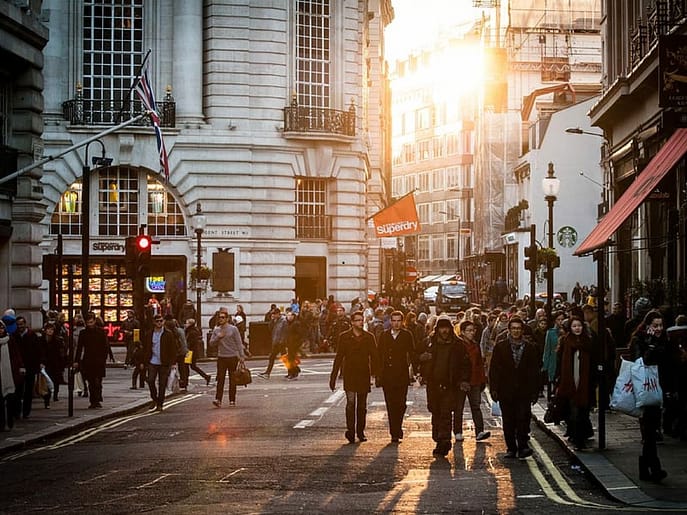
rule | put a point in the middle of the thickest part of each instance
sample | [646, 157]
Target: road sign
[411, 274]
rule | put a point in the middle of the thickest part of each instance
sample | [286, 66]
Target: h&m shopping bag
[623, 398]
[645, 382]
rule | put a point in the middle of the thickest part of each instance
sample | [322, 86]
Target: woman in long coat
[576, 381]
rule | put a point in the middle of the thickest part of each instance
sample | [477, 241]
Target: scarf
[576, 371]
[6, 378]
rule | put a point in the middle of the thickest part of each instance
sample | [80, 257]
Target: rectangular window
[408, 153]
[312, 221]
[423, 118]
[397, 186]
[118, 200]
[451, 246]
[423, 213]
[112, 54]
[454, 209]
[164, 214]
[438, 246]
[438, 180]
[438, 146]
[423, 150]
[66, 218]
[410, 183]
[423, 248]
[452, 177]
[451, 144]
[438, 212]
[423, 181]
[313, 53]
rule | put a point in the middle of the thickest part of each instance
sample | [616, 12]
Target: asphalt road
[282, 450]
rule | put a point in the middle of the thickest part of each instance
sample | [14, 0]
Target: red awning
[664, 160]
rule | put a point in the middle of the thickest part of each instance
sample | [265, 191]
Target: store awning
[428, 279]
[664, 160]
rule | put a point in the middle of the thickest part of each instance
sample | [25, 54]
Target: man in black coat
[445, 366]
[396, 349]
[514, 382]
[91, 355]
[356, 353]
[33, 356]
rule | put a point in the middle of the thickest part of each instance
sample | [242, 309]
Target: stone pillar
[187, 71]
[57, 60]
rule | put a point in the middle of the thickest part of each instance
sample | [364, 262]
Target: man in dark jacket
[160, 350]
[445, 366]
[90, 358]
[396, 351]
[514, 381]
[356, 352]
[33, 356]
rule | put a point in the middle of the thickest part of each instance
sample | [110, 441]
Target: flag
[399, 219]
[144, 89]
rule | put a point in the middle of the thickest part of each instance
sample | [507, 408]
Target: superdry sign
[399, 219]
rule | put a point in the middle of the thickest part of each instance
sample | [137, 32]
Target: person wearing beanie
[445, 368]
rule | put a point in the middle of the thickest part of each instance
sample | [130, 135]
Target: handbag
[241, 376]
[646, 385]
[189, 357]
[78, 382]
[623, 398]
[173, 380]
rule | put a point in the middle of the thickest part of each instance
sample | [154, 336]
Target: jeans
[225, 365]
[276, 351]
[155, 372]
[474, 396]
[95, 389]
[356, 411]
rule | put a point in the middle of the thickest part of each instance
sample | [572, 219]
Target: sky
[416, 23]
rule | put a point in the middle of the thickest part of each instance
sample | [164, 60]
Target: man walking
[445, 368]
[278, 327]
[90, 358]
[229, 351]
[160, 354]
[395, 347]
[514, 382]
[356, 353]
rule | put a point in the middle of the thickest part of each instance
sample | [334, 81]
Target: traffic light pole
[533, 269]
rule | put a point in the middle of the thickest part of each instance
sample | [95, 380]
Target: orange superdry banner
[399, 219]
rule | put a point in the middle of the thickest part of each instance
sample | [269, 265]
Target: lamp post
[551, 185]
[199, 227]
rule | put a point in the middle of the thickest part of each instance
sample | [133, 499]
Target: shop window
[66, 219]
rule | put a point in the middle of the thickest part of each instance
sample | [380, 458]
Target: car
[557, 298]
[430, 294]
[453, 296]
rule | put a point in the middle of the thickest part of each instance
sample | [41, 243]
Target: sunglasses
[159, 320]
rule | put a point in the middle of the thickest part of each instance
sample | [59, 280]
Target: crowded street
[281, 449]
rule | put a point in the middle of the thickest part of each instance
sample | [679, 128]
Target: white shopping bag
[623, 398]
[645, 382]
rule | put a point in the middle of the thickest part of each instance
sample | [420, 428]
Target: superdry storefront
[123, 200]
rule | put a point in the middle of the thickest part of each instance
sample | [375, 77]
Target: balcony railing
[313, 227]
[319, 119]
[79, 111]
[662, 17]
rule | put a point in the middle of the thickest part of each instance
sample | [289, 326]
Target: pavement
[614, 468]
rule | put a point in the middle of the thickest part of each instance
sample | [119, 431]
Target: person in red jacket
[476, 386]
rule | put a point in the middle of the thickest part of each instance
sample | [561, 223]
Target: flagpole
[133, 84]
[73, 147]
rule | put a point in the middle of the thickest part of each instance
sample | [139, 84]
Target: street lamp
[199, 227]
[577, 130]
[551, 185]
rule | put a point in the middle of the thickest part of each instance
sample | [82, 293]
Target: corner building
[264, 109]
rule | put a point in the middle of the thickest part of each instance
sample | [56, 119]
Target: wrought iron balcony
[302, 119]
[313, 227]
[638, 44]
[79, 111]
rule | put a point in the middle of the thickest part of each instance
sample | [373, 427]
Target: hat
[10, 323]
[444, 320]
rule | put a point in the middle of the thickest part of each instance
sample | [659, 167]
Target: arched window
[119, 206]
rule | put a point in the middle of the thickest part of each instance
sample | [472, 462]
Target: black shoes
[650, 470]
[442, 449]
[511, 454]
[207, 380]
[524, 453]
[350, 437]
[362, 437]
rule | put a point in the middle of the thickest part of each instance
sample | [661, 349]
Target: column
[187, 69]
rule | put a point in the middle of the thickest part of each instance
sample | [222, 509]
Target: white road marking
[156, 480]
[304, 423]
[319, 412]
[224, 479]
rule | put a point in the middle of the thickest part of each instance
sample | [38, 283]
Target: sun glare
[459, 73]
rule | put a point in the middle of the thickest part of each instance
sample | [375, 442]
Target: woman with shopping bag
[649, 343]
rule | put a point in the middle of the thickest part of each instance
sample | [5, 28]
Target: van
[453, 296]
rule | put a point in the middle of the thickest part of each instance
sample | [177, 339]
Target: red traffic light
[143, 243]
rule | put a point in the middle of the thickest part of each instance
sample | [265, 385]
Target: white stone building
[272, 114]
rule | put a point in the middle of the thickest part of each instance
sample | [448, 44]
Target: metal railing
[79, 111]
[313, 227]
[662, 17]
[319, 119]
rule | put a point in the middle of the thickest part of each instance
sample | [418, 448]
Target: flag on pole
[399, 219]
[144, 89]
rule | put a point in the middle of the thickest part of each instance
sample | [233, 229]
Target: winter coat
[509, 383]
[444, 366]
[477, 377]
[91, 353]
[168, 348]
[395, 358]
[582, 394]
[357, 355]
